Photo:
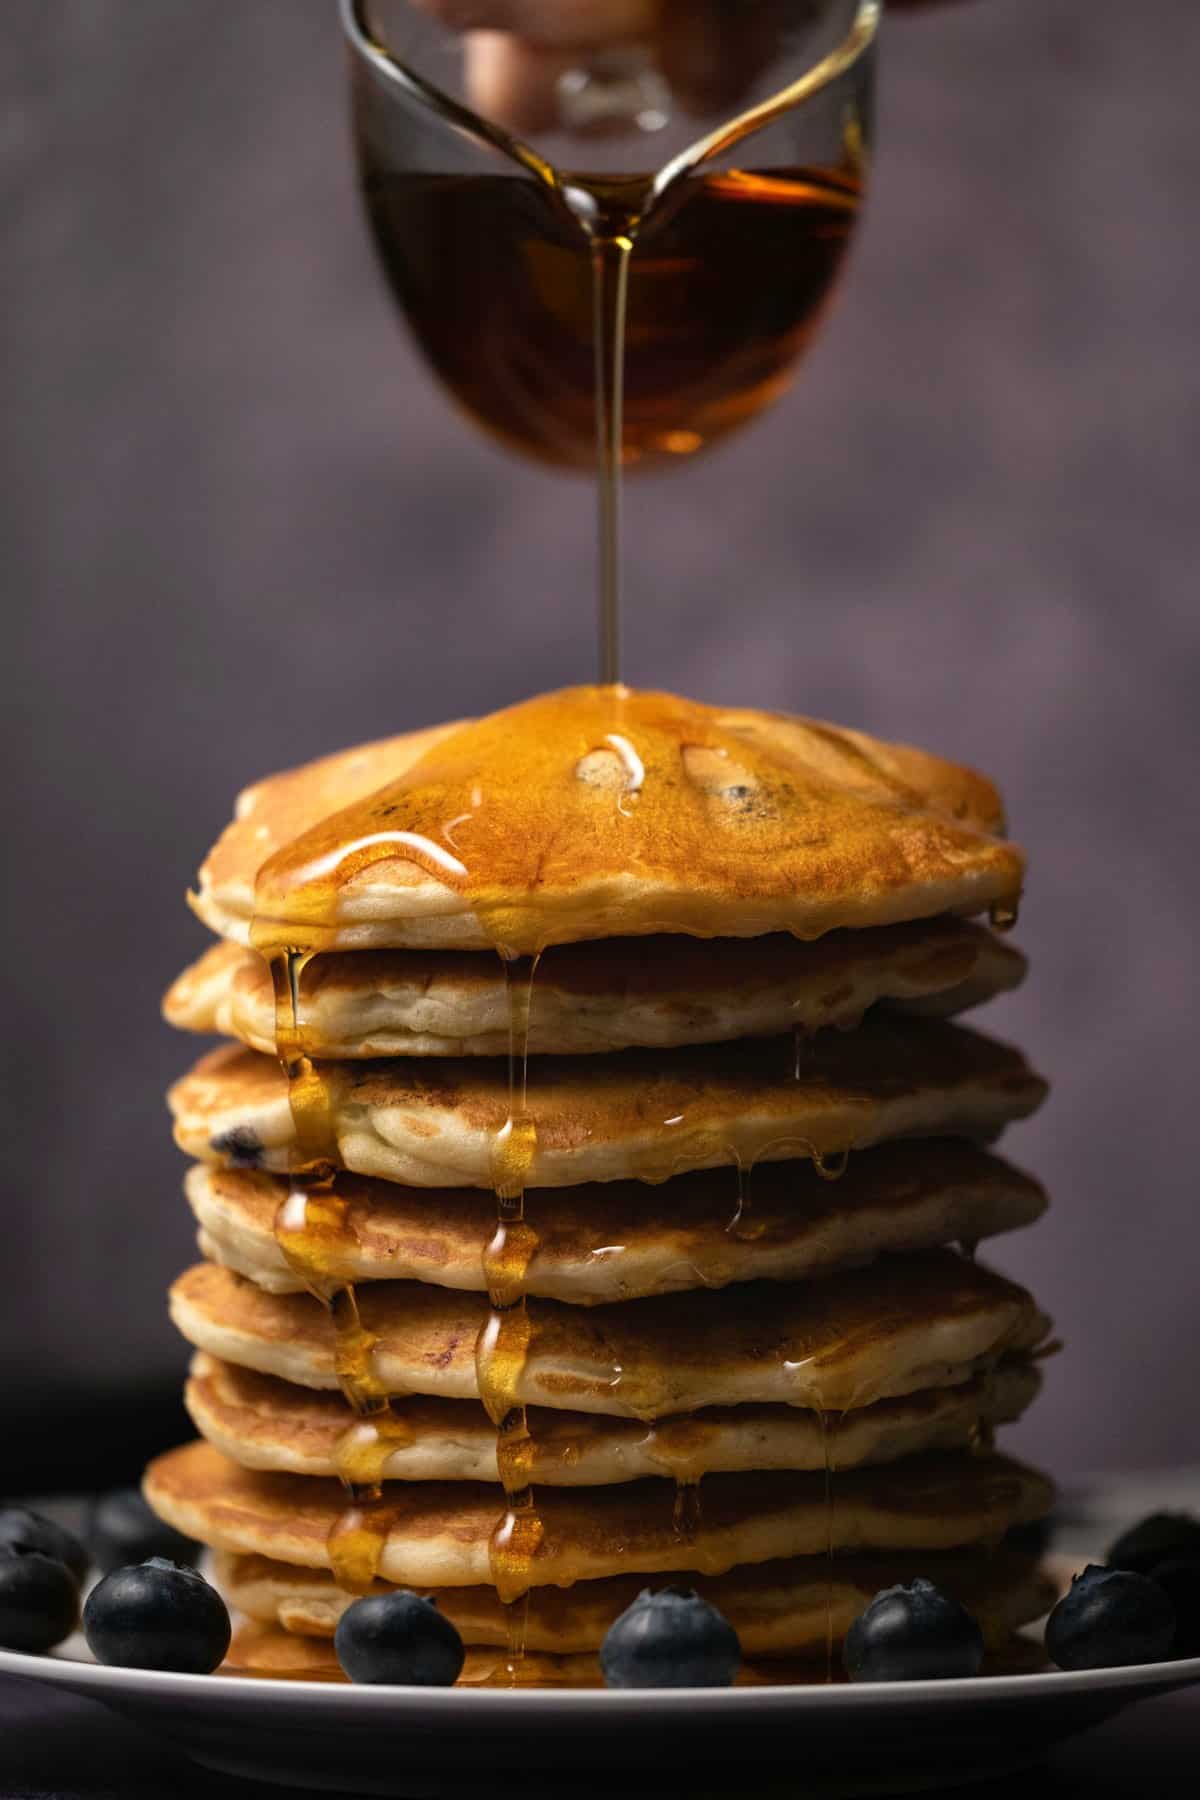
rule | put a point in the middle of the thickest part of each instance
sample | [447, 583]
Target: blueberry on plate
[121, 1529]
[1110, 1619]
[1179, 1579]
[39, 1600]
[157, 1615]
[670, 1639]
[1160, 1537]
[398, 1639]
[913, 1633]
[21, 1529]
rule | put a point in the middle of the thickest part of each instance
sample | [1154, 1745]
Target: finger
[513, 83]
[552, 24]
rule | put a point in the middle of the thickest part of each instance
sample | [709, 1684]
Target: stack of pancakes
[590, 1190]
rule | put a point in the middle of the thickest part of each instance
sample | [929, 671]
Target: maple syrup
[1004, 914]
[497, 277]
[310, 1230]
[653, 813]
[581, 321]
[502, 1347]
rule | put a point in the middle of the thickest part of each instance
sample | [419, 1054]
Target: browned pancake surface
[595, 813]
[894, 1327]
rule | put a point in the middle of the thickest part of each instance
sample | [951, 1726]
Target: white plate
[422, 1743]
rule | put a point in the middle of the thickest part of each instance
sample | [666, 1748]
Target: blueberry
[1155, 1539]
[121, 1529]
[400, 1639]
[1109, 1619]
[241, 1144]
[671, 1639]
[1179, 1579]
[39, 1600]
[21, 1529]
[157, 1615]
[913, 1633]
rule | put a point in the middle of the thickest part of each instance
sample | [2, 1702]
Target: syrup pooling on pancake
[584, 813]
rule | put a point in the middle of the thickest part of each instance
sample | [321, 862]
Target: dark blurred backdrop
[240, 526]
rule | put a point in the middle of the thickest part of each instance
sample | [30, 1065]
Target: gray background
[241, 527]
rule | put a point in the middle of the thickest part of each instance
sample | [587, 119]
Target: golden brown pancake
[600, 812]
[439, 1532]
[643, 1115]
[264, 1423]
[612, 995]
[620, 1240]
[775, 1607]
[899, 1325]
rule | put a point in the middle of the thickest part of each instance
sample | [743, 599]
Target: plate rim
[110, 1681]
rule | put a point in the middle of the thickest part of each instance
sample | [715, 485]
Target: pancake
[643, 1115]
[264, 1423]
[438, 1533]
[614, 995]
[620, 1240]
[776, 1608]
[268, 1651]
[899, 1325]
[602, 812]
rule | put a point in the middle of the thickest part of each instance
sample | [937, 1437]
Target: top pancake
[605, 812]
[617, 994]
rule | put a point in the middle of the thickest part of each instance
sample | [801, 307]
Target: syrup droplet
[502, 1346]
[1003, 914]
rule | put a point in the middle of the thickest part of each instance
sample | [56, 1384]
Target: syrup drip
[502, 1348]
[830, 1165]
[610, 287]
[311, 1228]
[1003, 914]
[744, 1172]
[356, 1543]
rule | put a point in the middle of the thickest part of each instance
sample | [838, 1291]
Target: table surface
[55, 1747]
